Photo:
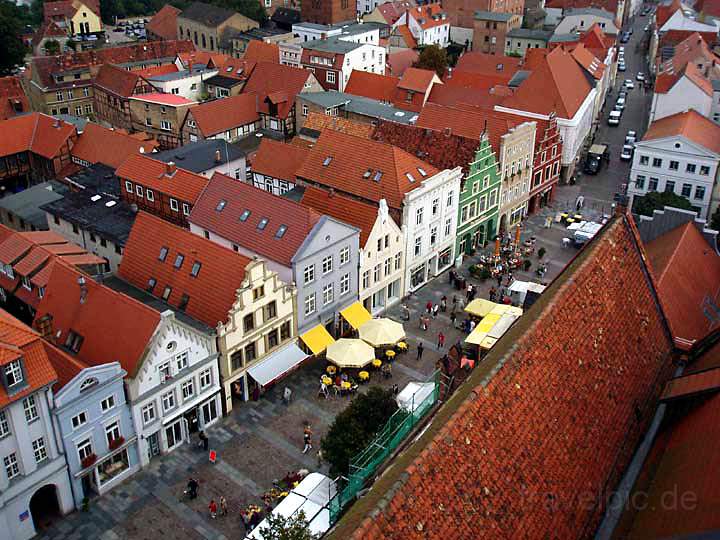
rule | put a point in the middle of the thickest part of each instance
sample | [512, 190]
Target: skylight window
[262, 224]
[378, 176]
[245, 215]
[195, 269]
[422, 171]
[163, 253]
[220, 205]
[229, 69]
[327, 161]
[151, 284]
[179, 260]
[410, 176]
[95, 198]
[367, 174]
[281, 231]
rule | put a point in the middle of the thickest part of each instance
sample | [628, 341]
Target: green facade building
[479, 201]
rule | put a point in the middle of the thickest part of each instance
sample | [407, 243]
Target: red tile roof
[664, 12]
[690, 124]
[406, 35]
[392, 11]
[372, 85]
[12, 98]
[18, 341]
[557, 84]
[235, 68]
[588, 61]
[36, 133]
[353, 212]
[596, 41]
[279, 160]
[68, 8]
[66, 367]
[205, 58]
[349, 159]
[219, 115]
[259, 51]
[452, 95]
[417, 80]
[184, 185]
[698, 79]
[399, 61]
[240, 197]
[607, 5]
[489, 64]
[675, 258]
[97, 144]
[511, 453]
[429, 15]
[211, 292]
[318, 121]
[114, 327]
[117, 80]
[277, 82]
[692, 384]
[164, 23]
[692, 49]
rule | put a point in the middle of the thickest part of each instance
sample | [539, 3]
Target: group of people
[193, 486]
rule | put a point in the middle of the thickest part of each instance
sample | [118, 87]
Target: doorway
[45, 507]
[174, 434]
[192, 420]
[153, 445]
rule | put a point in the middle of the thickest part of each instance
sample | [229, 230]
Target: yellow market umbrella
[350, 353]
[378, 332]
[480, 307]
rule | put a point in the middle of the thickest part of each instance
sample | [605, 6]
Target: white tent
[414, 395]
[312, 496]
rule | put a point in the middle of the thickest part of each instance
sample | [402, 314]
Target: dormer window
[245, 215]
[74, 341]
[163, 253]
[262, 224]
[26, 283]
[13, 373]
[327, 161]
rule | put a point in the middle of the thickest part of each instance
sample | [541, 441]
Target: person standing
[443, 304]
[204, 440]
[213, 508]
[435, 310]
[223, 506]
[420, 349]
[469, 291]
[452, 319]
[499, 279]
[192, 487]
[307, 437]
[428, 307]
[441, 340]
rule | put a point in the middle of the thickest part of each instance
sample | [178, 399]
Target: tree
[12, 52]
[433, 58]
[291, 528]
[654, 200]
[354, 428]
[52, 47]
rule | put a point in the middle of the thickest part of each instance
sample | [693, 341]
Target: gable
[687, 147]
[77, 388]
[327, 231]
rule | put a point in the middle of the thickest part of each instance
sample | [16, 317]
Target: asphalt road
[598, 190]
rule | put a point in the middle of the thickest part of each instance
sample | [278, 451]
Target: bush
[355, 427]
[527, 264]
[485, 274]
[541, 252]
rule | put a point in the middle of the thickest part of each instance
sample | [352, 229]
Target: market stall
[480, 307]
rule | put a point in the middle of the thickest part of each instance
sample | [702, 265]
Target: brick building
[491, 29]
[328, 11]
[113, 87]
[462, 12]
[161, 115]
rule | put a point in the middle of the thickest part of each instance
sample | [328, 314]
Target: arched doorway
[44, 506]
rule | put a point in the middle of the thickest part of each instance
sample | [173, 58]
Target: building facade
[479, 202]
[546, 166]
[94, 423]
[491, 29]
[517, 158]
[207, 26]
[161, 115]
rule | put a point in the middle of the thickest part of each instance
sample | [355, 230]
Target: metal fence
[386, 441]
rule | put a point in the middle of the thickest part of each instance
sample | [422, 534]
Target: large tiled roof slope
[164, 22]
[98, 144]
[213, 117]
[152, 173]
[690, 124]
[36, 132]
[553, 413]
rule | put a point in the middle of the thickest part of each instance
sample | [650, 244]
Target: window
[164, 370]
[327, 264]
[674, 165]
[330, 77]
[344, 255]
[249, 322]
[139, 190]
[328, 295]
[112, 432]
[151, 284]
[272, 339]
[163, 253]
[398, 259]
[448, 226]
[376, 273]
[704, 170]
[418, 246]
[435, 206]
[167, 291]
[690, 167]
[670, 186]
[309, 274]
[150, 195]
[168, 401]
[11, 466]
[449, 201]
[640, 181]
[236, 360]
[258, 293]
[686, 190]
[270, 311]
[657, 162]
[644, 160]
[181, 361]
[250, 352]
[387, 241]
[310, 304]
[344, 284]
[84, 449]
[433, 235]
[285, 331]
[74, 341]
[186, 209]
[4, 425]
[195, 270]
[78, 420]
[419, 216]
[262, 224]
[188, 389]
[179, 260]
[148, 122]
[699, 193]
[653, 184]
[366, 279]
[205, 378]
[184, 299]
[304, 110]
[174, 205]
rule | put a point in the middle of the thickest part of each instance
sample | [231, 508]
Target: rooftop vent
[95, 198]
[110, 204]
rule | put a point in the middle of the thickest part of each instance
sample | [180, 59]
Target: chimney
[170, 168]
[218, 159]
[83, 289]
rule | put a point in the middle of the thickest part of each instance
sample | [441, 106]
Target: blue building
[94, 423]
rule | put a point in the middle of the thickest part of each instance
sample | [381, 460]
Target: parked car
[627, 152]
[620, 104]
[614, 118]
[622, 94]
[621, 50]
[629, 84]
[631, 137]
[621, 66]
[640, 76]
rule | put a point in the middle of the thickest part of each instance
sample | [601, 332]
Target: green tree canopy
[354, 428]
[434, 59]
[52, 47]
[655, 200]
[291, 528]
[12, 24]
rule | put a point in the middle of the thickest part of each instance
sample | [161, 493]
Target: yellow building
[77, 17]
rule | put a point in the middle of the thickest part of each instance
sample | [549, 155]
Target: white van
[614, 118]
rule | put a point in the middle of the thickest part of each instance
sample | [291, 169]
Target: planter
[116, 443]
[92, 458]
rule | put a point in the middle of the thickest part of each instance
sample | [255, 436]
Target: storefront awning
[317, 339]
[356, 315]
[277, 364]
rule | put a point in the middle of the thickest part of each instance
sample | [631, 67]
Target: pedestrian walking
[420, 349]
[452, 319]
[473, 293]
[287, 395]
[435, 310]
[192, 488]
[204, 441]
[441, 340]
[443, 304]
[307, 437]
[469, 291]
[423, 324]
[428, 307]
[319, 457]
[213, 508]
[455, 301]
[472, 326]
[223, 506]
[406, 312]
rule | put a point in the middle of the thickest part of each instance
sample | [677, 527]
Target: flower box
[89, 460]
[116, 443]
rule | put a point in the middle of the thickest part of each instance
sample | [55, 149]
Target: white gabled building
[428, 24]
[679, 153]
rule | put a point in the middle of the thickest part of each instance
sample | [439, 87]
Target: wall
[490, 36]
[85, 21]
[682, 96]
[189, 87]
[516, 159]
[140, 111]
[109, 251]
[581, 23]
